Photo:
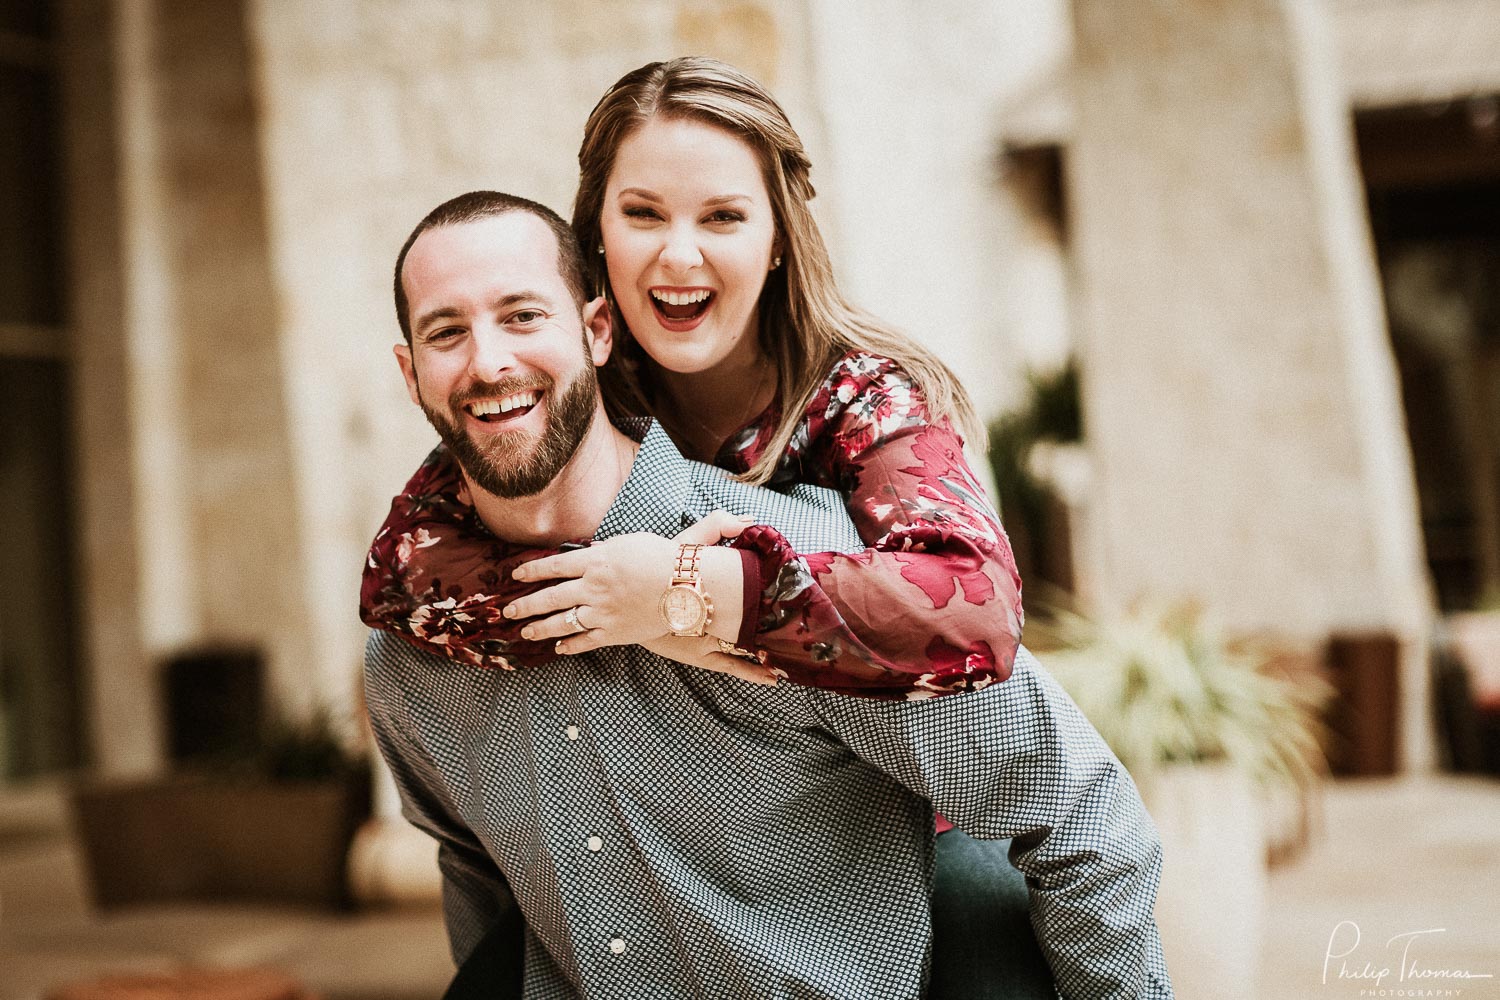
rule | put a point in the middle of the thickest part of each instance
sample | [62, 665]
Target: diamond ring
[572, 619]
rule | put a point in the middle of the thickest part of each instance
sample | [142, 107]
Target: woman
[729, 329]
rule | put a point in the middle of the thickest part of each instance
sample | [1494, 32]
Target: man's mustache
[503, 387]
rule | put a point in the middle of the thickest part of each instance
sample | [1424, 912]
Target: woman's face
[688, 240]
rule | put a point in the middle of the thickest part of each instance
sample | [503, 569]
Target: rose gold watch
[685, 608]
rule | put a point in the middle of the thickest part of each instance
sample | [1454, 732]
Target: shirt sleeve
[1021, 761]
[476, 896]
[435, 577]
[933, 605]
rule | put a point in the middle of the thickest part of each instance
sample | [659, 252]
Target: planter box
[214, 839]
[1212, 901]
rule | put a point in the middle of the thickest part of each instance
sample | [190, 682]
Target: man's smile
[504, 408]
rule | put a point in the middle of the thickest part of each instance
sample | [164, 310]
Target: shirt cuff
[750, 598]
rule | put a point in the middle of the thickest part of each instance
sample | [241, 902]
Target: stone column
[1239, 389]
[123, 714]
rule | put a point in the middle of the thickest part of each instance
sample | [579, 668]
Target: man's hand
[614, 587]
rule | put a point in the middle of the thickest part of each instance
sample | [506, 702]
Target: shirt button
[617, 946]
[571, 732]
[595, 843]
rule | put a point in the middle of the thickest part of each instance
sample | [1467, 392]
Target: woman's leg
[983, 947]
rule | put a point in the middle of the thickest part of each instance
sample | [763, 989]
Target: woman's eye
[641, 213]
[726, 216]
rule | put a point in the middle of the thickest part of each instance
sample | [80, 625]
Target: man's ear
[598, 330]
[408, 371]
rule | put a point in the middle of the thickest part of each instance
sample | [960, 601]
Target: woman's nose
[680, 252]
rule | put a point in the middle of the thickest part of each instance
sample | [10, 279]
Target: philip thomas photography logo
[1397, 968]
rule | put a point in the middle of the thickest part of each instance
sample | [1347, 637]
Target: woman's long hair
[806, 324]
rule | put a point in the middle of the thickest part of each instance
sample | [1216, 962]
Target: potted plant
[274, 825]
[1208, 732]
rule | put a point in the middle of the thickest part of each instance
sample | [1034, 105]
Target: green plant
[1489, 599]
[1050, 411]
[306, 750]
[1165, 686]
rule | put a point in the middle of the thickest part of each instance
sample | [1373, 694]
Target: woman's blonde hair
[806, 324]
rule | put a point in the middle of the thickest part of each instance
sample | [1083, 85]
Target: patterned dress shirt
[670, 832]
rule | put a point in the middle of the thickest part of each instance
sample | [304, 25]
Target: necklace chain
[716, 439]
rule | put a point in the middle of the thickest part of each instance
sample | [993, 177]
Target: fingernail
[747, 519]
[519, 573]
[528, 633]
[510, 611]
[558, 647]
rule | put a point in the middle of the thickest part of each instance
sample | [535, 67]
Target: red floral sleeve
[933, 606]
[436, 576]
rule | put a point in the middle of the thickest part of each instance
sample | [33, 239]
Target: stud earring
[601, 248]
[775, 263]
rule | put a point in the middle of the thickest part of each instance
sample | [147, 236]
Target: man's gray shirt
[672, 832]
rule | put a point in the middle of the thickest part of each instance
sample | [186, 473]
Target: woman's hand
[703, 652]
[614, 587]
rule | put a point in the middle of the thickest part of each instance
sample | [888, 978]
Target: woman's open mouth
[680, 309]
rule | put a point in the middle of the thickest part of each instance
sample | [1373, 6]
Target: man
[670, 831]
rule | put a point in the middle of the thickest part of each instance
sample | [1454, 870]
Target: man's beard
[502, 467]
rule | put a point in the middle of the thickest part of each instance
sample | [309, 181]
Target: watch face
[683, 609]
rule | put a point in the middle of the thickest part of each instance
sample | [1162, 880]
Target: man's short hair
[478, 205]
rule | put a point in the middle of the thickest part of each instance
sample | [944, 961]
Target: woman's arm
[933, 606]
[437, 578]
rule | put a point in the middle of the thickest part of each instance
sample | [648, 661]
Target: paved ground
[1390, 857]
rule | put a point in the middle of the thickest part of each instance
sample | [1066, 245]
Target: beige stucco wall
[1240, 392]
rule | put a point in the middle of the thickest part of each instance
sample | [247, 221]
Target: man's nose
[680, 253]
[491, 354]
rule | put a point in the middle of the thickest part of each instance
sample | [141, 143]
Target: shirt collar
[658, 489]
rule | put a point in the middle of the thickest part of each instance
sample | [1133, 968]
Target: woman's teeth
[681, 298]
[681, 305]
[495, 407]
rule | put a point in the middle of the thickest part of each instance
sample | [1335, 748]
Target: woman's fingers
[735, 666]
[559, 626]
[554, 567]
[558, 597]
[716, 525]
[702, 652]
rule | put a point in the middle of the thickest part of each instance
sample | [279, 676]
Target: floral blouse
[931, 607]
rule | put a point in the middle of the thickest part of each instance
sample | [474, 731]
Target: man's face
[501, 358]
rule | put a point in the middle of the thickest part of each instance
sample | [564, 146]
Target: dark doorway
[40, 719]
[1433, 178]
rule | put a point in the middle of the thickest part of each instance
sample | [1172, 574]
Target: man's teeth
[492, 407]
[681, 298]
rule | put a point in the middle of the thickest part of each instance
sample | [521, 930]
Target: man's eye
[447, 333]
[527, 316]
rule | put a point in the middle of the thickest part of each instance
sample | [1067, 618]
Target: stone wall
[1239, 388]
